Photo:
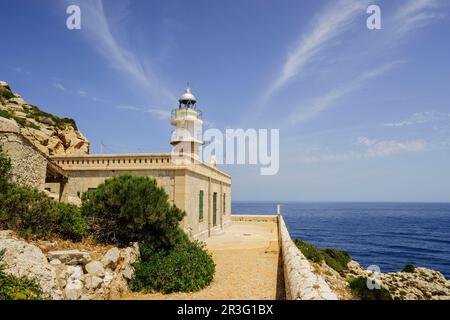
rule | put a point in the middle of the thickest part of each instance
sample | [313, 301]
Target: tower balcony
[185, 114]
[178, 137]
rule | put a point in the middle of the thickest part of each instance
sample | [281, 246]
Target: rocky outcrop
[70, 274]
[50, 134]
[25, 260]
[422, 284]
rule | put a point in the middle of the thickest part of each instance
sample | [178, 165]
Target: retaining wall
[301, 282]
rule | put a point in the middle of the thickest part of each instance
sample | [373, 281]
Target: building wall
[29, 166]
[182, 182]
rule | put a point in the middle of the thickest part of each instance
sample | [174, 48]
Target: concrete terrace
[248, 264]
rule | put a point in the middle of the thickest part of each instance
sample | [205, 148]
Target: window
[215, 209]
[200, 206]
[224, 203]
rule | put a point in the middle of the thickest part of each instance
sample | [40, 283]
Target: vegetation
[409, 268]
[336, 259]
[13, 288]
[37, 114]
[123, 209]
[5, 169]
[130, 208]
[32, 213]
[5, 93]
[358, 285]
[186, 267]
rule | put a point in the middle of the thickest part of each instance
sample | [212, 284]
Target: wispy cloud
[325, 101]
[416, 14]
[118, 56]
[82, 93]
[161, 113]
[329, 24]
[59, 86]
[367, 148]
[420, 118]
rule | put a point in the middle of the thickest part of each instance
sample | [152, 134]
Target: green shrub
[409, 268]
[5, 93]
[359, 288]
[5, 169]
[311, 252]
[34, 215]
[13, 288]
[71, 223]
[5, 114]
[28, 211]
[36, 113]
[336, 259]
[186, 267]
[131, 208]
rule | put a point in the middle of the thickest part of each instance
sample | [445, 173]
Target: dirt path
[247, 265]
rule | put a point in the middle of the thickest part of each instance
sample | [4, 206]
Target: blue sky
[364, 115]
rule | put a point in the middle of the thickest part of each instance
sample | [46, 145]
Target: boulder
[111, 258]
[74, 273]
[74, 289]
[25, 260]
[70, 257]
[92, 282]
[95, 268]
[55, 262]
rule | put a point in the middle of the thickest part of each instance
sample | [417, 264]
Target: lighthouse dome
[187, 96]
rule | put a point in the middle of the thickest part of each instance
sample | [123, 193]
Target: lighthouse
[187, 119]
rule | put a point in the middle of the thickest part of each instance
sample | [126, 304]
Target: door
[215, 209]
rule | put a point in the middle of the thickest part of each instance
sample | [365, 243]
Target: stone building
[200, 189]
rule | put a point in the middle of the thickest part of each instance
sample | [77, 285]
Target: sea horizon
[387, 234]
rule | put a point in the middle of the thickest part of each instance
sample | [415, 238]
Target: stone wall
[300, 281]
[29, 166]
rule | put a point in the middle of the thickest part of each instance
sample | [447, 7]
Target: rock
[92, 282]
[4, 85]
[74, 289]
[25, 260]
[111, 258]
[70, 257]
[109, 276]
[130, 254]
[95, 268]
[76, 201]
[17, 100]
[55, 262]
[74, 273]
[128, 272]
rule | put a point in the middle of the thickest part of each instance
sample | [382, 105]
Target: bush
[336, 259]
[359, 288]
[311, 252]
[5, 169]
[409, 268]
[71, 223]
[13, 288]
[34, 215]
[5, 93]
[186, 267]
[130, 208]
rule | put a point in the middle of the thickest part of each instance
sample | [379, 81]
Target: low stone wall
[301, 282]
[254, 218]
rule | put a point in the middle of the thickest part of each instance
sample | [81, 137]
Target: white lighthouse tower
[187, 119]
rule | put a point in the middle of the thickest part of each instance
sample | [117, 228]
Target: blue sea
[389, 235]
